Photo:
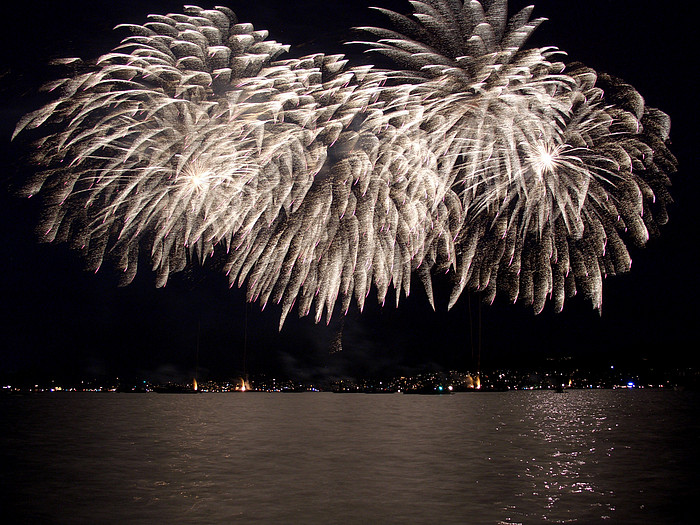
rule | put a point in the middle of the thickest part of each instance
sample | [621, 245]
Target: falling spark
[525, 176]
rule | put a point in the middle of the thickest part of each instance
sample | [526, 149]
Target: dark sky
[59, 321]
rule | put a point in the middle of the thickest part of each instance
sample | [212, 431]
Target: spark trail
[314, 181]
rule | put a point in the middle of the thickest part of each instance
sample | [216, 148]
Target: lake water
[613, 456]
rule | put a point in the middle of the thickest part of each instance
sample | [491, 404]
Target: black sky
[58, 320]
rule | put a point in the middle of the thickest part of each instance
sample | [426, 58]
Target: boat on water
[176, 388]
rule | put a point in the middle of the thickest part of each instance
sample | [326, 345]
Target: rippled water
[520, 457]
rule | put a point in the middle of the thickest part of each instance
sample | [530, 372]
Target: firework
[555, 167]
[313, 182]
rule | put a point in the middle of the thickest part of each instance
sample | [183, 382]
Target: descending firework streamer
[193, 136]
[555, 166]
[314, 182]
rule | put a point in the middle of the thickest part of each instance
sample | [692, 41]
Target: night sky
[61, 322]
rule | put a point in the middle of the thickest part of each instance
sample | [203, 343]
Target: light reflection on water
[519, 457]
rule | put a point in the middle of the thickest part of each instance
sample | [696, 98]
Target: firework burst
[555, 167]
[315, 182]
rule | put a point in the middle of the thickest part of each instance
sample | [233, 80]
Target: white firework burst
[191, 137]
[314, 182]
[552, 174]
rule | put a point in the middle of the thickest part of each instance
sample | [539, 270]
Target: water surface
[484, 458]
